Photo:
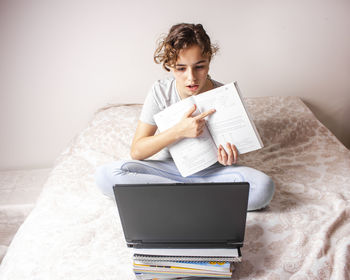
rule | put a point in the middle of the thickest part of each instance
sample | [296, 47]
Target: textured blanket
[74, 231]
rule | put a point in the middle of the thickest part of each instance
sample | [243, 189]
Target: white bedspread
[74, 231]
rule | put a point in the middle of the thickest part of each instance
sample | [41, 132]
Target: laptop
[191, 215]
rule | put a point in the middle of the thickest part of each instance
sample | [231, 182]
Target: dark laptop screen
[173, 214]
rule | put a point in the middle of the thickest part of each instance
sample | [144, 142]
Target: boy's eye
[181, 69]
[200, 67]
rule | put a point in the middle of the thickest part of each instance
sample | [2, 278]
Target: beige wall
[62, 60]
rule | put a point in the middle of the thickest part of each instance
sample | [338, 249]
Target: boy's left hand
[230, 157]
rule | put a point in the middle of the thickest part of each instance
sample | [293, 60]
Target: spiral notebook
[188, 255]
[210, 216]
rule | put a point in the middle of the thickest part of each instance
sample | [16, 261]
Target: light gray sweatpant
[156, 171]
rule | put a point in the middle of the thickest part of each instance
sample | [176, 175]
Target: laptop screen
[193, 215]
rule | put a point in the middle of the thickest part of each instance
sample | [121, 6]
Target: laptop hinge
[134, 243]
[141, 244]
[234, 244]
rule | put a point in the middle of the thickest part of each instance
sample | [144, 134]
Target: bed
[74, 231]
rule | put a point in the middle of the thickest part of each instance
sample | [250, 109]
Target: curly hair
[182, 36]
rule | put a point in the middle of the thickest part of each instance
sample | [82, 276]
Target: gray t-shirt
[162, 94]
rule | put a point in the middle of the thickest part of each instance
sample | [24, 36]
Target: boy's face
[191, 72]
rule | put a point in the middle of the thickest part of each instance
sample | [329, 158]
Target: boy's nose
[190, 75]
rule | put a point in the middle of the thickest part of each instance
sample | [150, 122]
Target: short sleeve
[150, 108]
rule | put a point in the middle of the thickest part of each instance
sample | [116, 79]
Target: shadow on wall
[332, 123]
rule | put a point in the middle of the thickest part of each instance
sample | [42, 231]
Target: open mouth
[192, 87]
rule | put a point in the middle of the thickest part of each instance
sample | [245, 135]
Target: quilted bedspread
[74, 231]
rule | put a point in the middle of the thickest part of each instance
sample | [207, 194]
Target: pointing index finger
[203, 115]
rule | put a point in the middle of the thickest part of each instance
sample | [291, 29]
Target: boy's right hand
[190, 127]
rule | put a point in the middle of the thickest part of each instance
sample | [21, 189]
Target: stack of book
[186, 264]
